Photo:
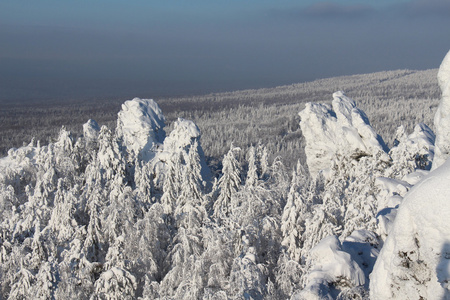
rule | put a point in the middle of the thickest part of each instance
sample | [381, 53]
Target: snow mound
[442, 117]
[415, 260]
[140, 124]
[340, 128]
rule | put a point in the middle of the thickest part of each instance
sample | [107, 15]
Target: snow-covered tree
[22, 285]
[295, 213]
[248, 278]
[115, 283]
[172, 183]
[229, 183]
[252, 173]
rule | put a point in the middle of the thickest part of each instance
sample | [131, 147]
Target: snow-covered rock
[340, 128]
[442, 117]
[415, 260]
[332, 269]
[140, 124]
[91, 130]
[182, 136]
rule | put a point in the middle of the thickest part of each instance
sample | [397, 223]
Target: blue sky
[85, 49]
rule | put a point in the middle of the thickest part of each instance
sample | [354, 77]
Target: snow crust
[340, 128]
[415, 260]
[140, 124]
[442, 117]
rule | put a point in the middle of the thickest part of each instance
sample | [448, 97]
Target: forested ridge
[390, 98]
[134, 210]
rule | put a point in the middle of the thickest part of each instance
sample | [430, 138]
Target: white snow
[341, 128]
[442, 117]
[140, 123]
[332, 267]
[414, 177]
[18, 158]
[183, 134]
[414, 261]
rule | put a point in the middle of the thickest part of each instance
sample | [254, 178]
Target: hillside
[135, 211]
[391, 99]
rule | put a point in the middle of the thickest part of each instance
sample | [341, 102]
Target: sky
[97, 49]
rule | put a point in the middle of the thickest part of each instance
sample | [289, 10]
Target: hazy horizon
[84, 50]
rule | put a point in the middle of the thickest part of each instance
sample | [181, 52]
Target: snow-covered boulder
[415, 260]
[91, 130]
[442, 117]
[140, 124]
[338, 128]
[182, 136]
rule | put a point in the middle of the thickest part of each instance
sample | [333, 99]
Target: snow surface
[340, 128]
[415, 260]
[140, 123]
[442, 117]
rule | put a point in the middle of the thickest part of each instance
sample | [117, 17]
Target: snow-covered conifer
[172, 183]
[46, 281]
[248, 278]
[229, 183]
[288, 274]
[22, 285]
[190, 207]
[296, 211]
[252, 173]
[115, 283]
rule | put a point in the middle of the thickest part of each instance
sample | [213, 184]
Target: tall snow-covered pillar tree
[442, 117]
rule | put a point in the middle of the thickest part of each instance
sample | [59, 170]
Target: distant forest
[244, 118]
